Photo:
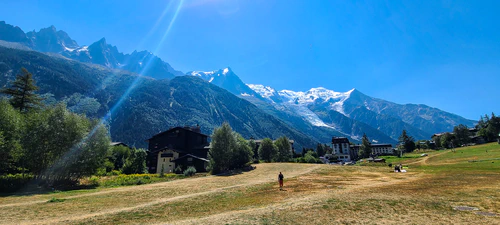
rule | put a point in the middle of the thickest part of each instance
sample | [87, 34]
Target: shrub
[13, 182]
[178, 169]
[190, 171]
[140, 181]
[56, 200]
[115, 172]
[162, 172]
[94, 181]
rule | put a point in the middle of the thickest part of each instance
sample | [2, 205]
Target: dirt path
[423, 161]
[263, 174]
[303, 203]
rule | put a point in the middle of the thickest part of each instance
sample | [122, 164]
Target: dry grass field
[314, 194]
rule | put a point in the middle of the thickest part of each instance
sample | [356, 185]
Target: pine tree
[407, 143]
[22, 92]
[365, 149]
[320, 150]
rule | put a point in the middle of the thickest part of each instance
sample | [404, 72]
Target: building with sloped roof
[178, 146]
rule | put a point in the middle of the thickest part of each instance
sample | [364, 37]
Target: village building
[178, 146]
[377, 149]
[341, 149]
[382, 149]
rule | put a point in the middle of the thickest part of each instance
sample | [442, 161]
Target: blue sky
[445, 54]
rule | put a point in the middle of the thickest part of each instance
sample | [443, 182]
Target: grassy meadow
[314, 194]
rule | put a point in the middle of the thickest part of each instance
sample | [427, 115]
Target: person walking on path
[280, 179]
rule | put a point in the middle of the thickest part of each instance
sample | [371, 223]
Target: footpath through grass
[314, 194]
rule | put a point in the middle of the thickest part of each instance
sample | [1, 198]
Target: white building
[341, 148]
[382, 149]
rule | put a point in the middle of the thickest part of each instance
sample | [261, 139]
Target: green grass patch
[56, 200]
[136, 179]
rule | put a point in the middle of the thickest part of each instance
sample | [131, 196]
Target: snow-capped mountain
[51, 40]
[224, 78]
[319, 104]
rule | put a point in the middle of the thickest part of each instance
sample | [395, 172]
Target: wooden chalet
[178, 146]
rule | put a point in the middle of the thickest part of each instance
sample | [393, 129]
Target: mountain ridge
[318, 110]
[51, 40]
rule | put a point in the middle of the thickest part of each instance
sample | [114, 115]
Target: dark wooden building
[178, 146]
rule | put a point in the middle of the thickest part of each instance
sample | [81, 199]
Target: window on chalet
[165, 155]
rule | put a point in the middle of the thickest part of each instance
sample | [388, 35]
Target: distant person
[280, 179]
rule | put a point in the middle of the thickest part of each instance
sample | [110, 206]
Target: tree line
[229, 150]
[488, 128]
[49, 143]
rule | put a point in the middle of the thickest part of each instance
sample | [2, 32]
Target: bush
[162, 172]
[13, 182]
[309, 159]
[115, 172]
[56, 200]
[190, 171]
[94, 181]
[178, 169]
[135, 179]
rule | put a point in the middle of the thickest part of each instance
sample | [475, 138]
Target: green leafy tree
[284, 149]
[11, 126]
[448, 140]
[242, 153]
[365, 149]
[437, 141]
[311, 157]
[118, 155]
[87, 156]
[22, 92]
[223, 143]
[136, 163]
[267, 150]
[50, 134]
[58, 144]
[81, 104]
[254, 148]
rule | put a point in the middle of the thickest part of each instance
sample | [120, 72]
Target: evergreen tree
[267, 150]
[320, 149]
[365, 149]
[462, 134]
[22, 92]
[328, 149]
[481, 123]
[407, 143]
[284, 149]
